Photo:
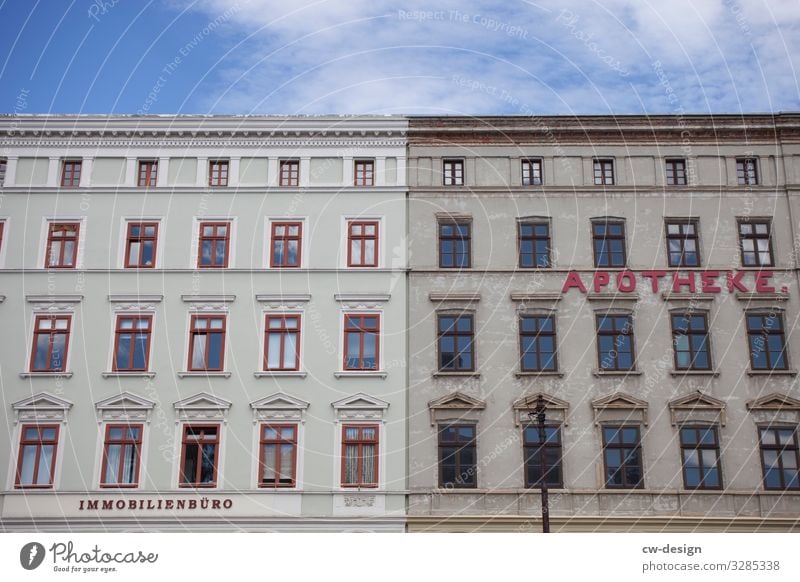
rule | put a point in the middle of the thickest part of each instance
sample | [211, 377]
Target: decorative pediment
[455, 406]
[555, 408]
[201, 407]
[41, 407]
[279, 407]
[619, 406]
[54, 303]
[134, 302]
[124, 407]
[697, 406]
[210, 303]
[362, 300]
[284, 300]
[774, 401]
[360, 407]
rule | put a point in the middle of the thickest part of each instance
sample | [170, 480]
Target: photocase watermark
[738, 14]
[570, 20]
[487, 22]
[100, 8]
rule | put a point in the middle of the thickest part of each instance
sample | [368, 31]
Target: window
[362, 243]
[779, 457]
[2, 228]
[622, 455]
[148, 172]
[199, 453]
[132, 343]
[532, 172]
[278, 461]
[682, 248]
[286, 244]
[3, 165]
[537, 336]
[214, 243]
[37, 454]
[207, 343]
[71, 173]
[364, 172]
[140, 245]
[690, 339]
[766, 340]
[746, 171]
[361, 342]
[289, 173]
[615, 342]
[282, 344]
[534, 245]
[455, 245]
[457, 456]
[62, 245]
[360, 456]
[218, 172]
[534, 449]
[603, 172]
[676, 172]
[754, 238]
[609, 243]
[121, 455]
[700, 457]
[456, 343]
[50, 343]
[453, 172]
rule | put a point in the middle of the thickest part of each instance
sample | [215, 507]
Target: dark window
[37, 456]
[148, 172]
[132, 343]
[779, 458]
[455, 242]
[362, 243]
[676, 172]
[537, 336]
[622, 455]
[359, 456]
[121, 454]
[766, 340]
[552, 456]
[690, 339]
[364, 172]
[754, 238]
[282, 344]
[140, 245]
[71, 173]
[615, 342]
[361, 340]
[214, 243]
[453, 172]
[609, 243]
[532, 172]
[50, 343]
[286, 244]
[62, 245]
[700, 457]
[746, 171]
[456, 343]
[199, 456]
[278, 462]
[682, 248]
[218, 173]
[2, 229]
[207, 343]
[3, 164]
[290, 173]
[603, 172]
[457, 456]
[534, 245]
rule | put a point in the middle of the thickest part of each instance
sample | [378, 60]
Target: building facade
[208, 320]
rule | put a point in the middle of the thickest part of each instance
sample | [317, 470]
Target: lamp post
[538, 416]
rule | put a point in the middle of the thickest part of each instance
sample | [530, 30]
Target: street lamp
[538, 416]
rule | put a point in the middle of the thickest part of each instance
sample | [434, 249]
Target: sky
[465, 57]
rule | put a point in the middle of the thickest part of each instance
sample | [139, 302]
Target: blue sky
[369, 56]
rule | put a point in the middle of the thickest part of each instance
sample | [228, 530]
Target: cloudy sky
[372, 56]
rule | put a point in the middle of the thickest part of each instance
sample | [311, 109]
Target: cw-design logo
[31, 555]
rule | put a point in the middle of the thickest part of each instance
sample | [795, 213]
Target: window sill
[280, 374]
[128, 374]
[598, 373]
[679, 373]
[45, 374]
[359, 374]
[204, 374]
[553, 373]
[772, 372]
[456, 374]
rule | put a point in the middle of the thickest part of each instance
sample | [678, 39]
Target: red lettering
[678, 282]
[121, 504]
[132, 504]
[708, 281]
[600, 280]
[573, 280]
[626, 282]
[654, 276]
[91, 504]
[108, 504]
[762, 280]
[735, 281]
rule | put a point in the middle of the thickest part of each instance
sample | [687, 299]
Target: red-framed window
[453, 172]
[36, 462]
[122, 451]
[532, 172]
[132, 336]
[603, 171]
[360, 455]
[676, 172]
[71, 173]
[282, 343]
[286, 244]
[747, 171]
[141, 241]
[218, 172]
[207, 343]
[199, 456]
[148, 172]
[364, 172]
[62, 245]
[362, 243]
[213, 246]
[50, 343]
[278, 456]
[289, 173]
[361, 341]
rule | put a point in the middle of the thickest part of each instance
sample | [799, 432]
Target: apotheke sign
[627, 281]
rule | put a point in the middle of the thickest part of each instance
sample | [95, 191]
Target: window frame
[217, 449]
[222, 169]
[455, 174]
[361, 333]
[455, 237]
[754, 223]
[123, 442]
[743, 175]
[263, 442]
[3, 171]
[682, 237]
[291, 177]
[675, 170]
[118, 331]
[623, 465]
[523, 334]
[39, 443]
[150, 177]
[606, 222]
[605, 167]
[457, 444]
[533, 237]
[53, 331]
[781, 332]
[691, 335]
[215, 224]
[699, 446]
[777, 447]
[141, 238]
[72, 164]
[193, 332]
[614, 333]
[283, 331]
[360, 442]
[52, 226]
[286, 238]
[533, 166]
[350, 223]
[363, 172]
[456, 334]
[535, 447]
